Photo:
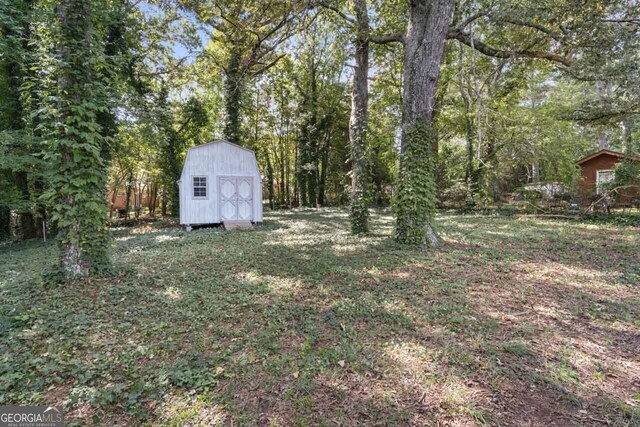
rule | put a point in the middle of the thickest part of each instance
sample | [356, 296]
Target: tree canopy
[345, 102]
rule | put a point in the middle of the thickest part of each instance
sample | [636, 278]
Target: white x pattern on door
[236, 198]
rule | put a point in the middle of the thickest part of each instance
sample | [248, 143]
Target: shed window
[200, 187]
[603, 177]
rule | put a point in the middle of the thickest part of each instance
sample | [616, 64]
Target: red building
[599, 168]
[119, 200]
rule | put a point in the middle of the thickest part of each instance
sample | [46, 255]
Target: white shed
[220, 181]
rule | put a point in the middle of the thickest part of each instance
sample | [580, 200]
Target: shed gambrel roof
[221, 141]
[218, 141]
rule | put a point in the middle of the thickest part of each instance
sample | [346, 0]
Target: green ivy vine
[414, 201]
[78, 173]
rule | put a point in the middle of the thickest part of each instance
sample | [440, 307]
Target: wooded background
[344, 102]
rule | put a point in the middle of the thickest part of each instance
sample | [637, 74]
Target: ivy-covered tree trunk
[233, 86]
[358, 122]
[79, 183]
[415, 196]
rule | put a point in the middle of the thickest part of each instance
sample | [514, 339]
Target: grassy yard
[515, 321]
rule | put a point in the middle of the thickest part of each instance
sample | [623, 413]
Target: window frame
[598, 182]
[193, 187]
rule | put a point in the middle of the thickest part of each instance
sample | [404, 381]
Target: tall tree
[245, 44]
[20, 172]
[179, 131]
[307, 170]
[415, 198]
[358, 121]
[78, 187]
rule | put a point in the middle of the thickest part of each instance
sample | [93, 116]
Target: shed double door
[236, 198]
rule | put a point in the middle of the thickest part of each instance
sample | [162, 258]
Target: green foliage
[359, 214]
[179, 130]
[233, 90]
[289, 100]
[627, 174]
[19, 152]
[192, 372]
[244, 45]
[76, 142]
[414, 200]
[163, 343]
[626, 181]
[384, 116]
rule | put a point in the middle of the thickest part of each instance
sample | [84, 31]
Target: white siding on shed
[216, 161]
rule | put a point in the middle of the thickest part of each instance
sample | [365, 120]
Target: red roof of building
[609, 152]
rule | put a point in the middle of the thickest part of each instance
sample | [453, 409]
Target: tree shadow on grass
[377, 313]
[308, 325]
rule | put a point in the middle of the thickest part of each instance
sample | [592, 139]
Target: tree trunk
[535, 171]
[72, 264]
[40, 208]
[628, 126]
[603, 89]
[297, 183]
[163, 203]
[5, 222]
[270, 180]
[129, 189]
[15, 115]
[301, 178]
[153, 199]
[311, 142]
[282, 186]
[324, 166]
[415, 199]
[233, 86]
[114, 198]
[469, 172]
[603, 139]
[490, 168]
[358, 122]
[307, 163]
[80, 209]
[287, 178]
[28, 228]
